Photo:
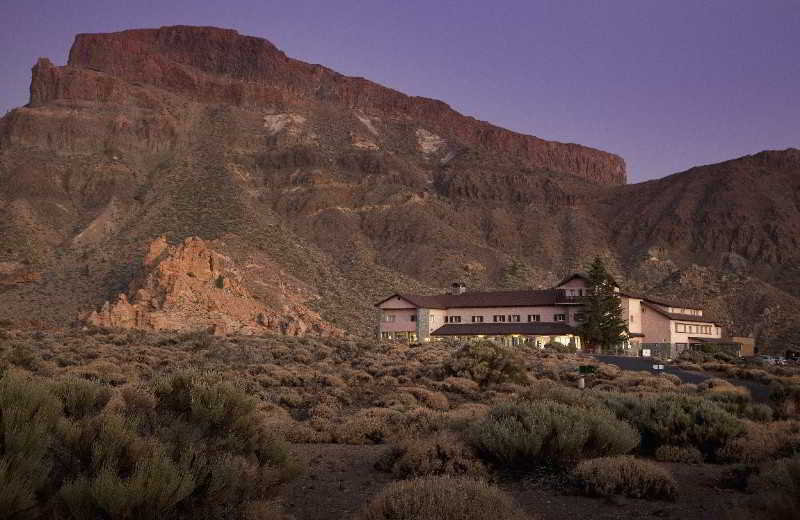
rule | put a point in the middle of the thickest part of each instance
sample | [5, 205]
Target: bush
[441, 498]
[28, 416]
[625, 475]
[555, 346]
[678, 420]
[522, 433]
[763, 441]
[685, 454]
[441, 454]
[487, 363]
[194, 446]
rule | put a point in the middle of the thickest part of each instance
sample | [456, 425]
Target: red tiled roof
[485, 299]
[499, 329]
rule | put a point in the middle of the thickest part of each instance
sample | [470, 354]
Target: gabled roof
[499, 329]
[530, 298]
[677, 316]
[583, 276]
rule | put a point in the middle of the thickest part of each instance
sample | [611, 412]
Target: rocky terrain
[346, 190]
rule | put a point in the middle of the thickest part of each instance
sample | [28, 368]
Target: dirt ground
[341, 478]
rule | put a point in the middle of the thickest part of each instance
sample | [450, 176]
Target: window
[499, 318]
[633, 318]
[388, 318]
[690, 329]
[579, 316]
[534, 317]
[680, 327]
[477, 319]
[560, 317]
[514, 318]
[453, 319]
[413, 317]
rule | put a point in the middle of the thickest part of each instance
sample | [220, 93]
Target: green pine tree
[603, 327]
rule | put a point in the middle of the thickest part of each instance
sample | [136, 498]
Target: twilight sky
[665, 84]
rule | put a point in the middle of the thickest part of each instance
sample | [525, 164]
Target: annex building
[540, 317]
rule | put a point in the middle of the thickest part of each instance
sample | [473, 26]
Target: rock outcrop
[192, 287]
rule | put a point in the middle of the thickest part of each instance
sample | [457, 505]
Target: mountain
[347, 190]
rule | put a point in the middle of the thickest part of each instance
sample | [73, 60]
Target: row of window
[693, 329]
[497, 318]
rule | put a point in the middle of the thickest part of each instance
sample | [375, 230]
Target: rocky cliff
[211, 65]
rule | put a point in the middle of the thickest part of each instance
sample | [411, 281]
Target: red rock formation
[221, 66]
[191, 287]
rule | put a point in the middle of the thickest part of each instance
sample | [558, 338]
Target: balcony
[562, 298]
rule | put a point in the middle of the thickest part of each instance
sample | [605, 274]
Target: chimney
[458, 288]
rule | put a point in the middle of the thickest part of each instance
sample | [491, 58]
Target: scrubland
[109, 424]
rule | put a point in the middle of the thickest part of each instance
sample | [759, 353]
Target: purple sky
[666, 84]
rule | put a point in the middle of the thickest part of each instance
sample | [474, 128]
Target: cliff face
[313, 192]
[212, 65]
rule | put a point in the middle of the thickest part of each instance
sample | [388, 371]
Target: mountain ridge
[350, 202]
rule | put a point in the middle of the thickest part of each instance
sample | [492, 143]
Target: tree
[603, 326]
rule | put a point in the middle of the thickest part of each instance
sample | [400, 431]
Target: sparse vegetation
[131, 409]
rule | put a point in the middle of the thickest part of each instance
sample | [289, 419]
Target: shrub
[625, 475]
[28, 416]
[763, 441]
[522, 433]
[685, 454]
[555, 346]
[196, 446]
[441, 498]
[82, 398]
[442, 454]
[679, 420]
[487, 363]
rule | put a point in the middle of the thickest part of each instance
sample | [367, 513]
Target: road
[759, 391]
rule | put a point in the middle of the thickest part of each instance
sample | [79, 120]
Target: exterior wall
[545, 312]
[683, 337]
[632, 309]
[436, 319]
[402, 311]
[748, 346]
[655, 327]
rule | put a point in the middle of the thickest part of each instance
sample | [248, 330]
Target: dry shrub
[367, 426]
[430, 398]
[460, 385]
[606, 371]
[763, 441]
[487, 363]
[625, 475]
[396, 400]
[685, 454]
[645, 381]
[441, 454]
[678, 420]
[466, 414]
[441, 498]
[523, 433]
